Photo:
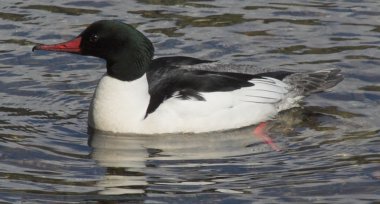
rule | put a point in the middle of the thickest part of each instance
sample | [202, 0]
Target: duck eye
[94, 38]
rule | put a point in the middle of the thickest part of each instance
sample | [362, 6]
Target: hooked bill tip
[35, 48]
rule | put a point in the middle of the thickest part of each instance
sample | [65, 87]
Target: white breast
[119, 106]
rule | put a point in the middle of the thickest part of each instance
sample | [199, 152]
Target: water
[330, 145]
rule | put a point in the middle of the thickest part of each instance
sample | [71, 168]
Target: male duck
[143, 95]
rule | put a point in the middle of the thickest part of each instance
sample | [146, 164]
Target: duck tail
[314, 82]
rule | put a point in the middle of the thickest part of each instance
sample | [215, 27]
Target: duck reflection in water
[134, 161]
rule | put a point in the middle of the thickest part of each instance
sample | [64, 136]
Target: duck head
[127, 51]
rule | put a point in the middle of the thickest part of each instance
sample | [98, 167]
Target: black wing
[167, 79]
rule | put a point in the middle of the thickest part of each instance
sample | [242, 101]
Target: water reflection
[13, 16]
[132, 160]
[64, 10]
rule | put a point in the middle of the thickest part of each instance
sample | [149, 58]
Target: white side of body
[120, 106]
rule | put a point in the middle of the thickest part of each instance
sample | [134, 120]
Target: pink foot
[259, 132]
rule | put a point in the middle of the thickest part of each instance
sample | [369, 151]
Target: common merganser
[178, 94]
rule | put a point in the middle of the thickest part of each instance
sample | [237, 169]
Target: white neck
[119, 106]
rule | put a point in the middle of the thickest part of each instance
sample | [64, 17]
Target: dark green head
[127, 51]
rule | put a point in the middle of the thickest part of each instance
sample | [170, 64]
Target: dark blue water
[330, 144]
